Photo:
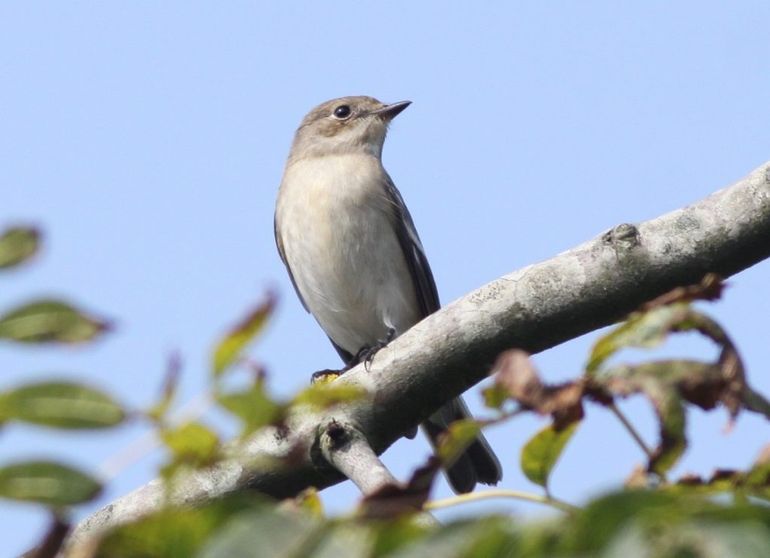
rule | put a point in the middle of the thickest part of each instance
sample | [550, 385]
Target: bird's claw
[325, 376]
[366, 354]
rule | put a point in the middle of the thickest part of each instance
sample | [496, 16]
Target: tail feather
[478, 463]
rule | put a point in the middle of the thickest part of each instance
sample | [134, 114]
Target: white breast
[338, 240]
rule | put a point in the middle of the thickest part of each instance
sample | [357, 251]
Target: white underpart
[342, 249]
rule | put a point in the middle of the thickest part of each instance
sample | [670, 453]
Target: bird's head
[345, 125]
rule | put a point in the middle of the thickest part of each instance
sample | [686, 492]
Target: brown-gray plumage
[353, 253]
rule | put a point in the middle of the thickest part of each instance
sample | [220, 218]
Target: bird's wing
[279, 244]
[345, 355]
[478, 463]
[414, 254]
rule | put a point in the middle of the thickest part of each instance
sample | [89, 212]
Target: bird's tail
[478, 463]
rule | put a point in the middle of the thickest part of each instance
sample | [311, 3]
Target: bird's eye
[342, 112]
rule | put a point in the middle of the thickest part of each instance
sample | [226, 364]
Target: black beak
[388, 112]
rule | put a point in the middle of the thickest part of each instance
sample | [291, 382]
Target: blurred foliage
[191, 445]
[540, 454]
[18, 244]
[669, 385]
[50, 321]
[629, 523]
[727, 514]
[457, 437]
[231, 346]
[60, 404]
[47, 482]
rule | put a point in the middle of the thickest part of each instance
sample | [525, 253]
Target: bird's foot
[326, 376]
[366, 354]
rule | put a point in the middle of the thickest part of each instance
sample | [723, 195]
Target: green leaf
[395, 535]
[17, 244]
[191, 444]
[60, 405]
[648, 523]
[346, 540]
[758, 477]
[456, 439]
[263, 534]
[641, 329]
[756, 402]
[659, 382]
[47, 483]
[605, 518]
[322, 396]
[671, 415]
[157, 411]
[232, 345]
[50, 321]
[401, 499]
[176, 531]
[487, 536]
[540, 454]
[754, 482]
[252, 406]
[495, 396]
[310, 502]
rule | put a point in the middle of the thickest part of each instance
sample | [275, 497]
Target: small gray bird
[353, 254]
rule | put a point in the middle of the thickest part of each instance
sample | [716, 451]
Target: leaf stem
[631, 430]
[502, 493]
[142, 445]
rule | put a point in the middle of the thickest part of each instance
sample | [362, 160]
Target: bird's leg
[366, 354]
[330, 374]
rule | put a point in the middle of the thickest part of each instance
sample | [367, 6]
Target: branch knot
[622, 237]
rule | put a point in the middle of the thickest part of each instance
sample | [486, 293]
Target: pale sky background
[148, 140]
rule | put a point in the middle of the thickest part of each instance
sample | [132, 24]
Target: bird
[353, 254]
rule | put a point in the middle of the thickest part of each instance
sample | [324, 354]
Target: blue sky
[148, 140]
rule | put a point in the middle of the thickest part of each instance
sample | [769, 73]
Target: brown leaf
[722, 474]
[734, 390]
[755, 481]
[709, 288]
[690, 479]
[764, 456]
[669, 383]
[516, 374]
[639, 478]
[392, 500]
[720, 480]
[49, 547]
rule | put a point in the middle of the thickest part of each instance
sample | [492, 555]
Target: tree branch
[344, 447]
[534, 308]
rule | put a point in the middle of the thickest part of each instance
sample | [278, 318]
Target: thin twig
[141, 446]
[635, 435]
[631, 430]
[502, 493]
